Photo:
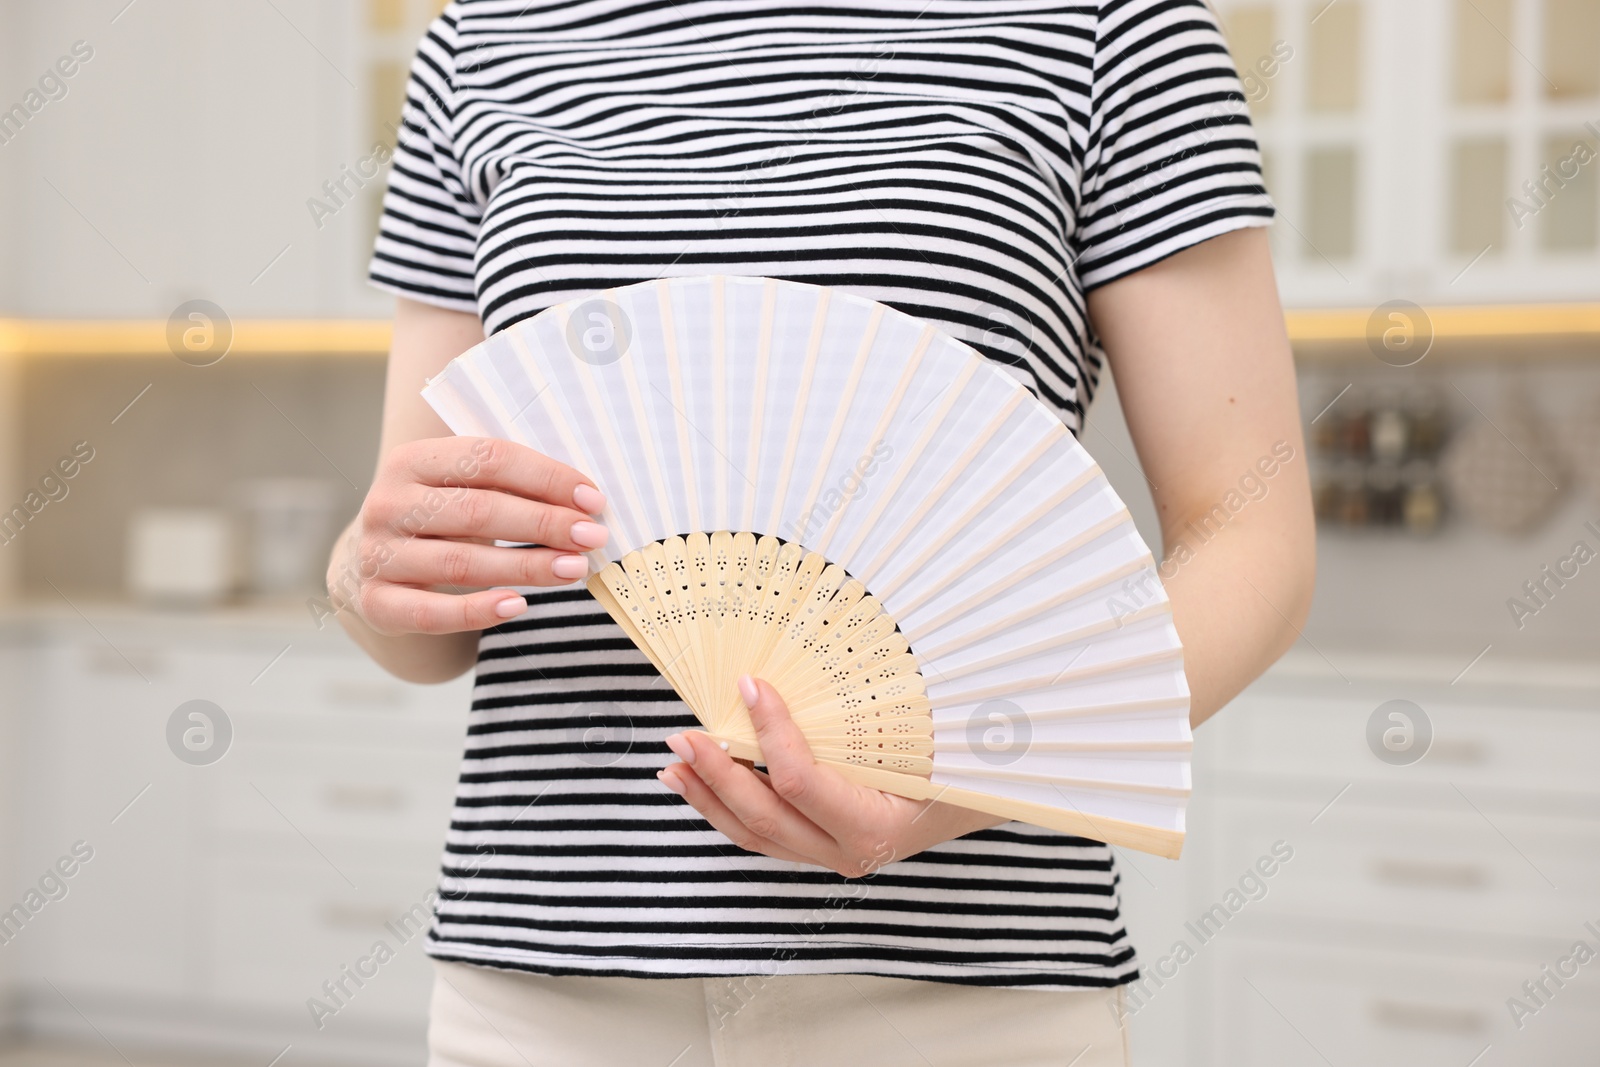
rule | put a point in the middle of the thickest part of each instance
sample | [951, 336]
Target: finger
[700, 796]
[489, 514]
[749, 798]
[489, 463]
[399, 609]
[435, 561]
[820, 793]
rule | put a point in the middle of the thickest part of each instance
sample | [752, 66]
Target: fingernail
[590, 534]
[681, 747]
[569, 566]
[588, 498]
[670, 781]
[511, 606]
[748, 690]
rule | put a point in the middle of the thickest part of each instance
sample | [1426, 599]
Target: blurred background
[212, 809]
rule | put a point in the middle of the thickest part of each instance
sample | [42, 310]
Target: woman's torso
[930, 155]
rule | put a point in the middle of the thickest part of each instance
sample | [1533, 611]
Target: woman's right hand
[430, 520]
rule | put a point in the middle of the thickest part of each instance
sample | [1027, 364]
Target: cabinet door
[1292, 1007]
[97, 770]
[320, 837]
[16, 682]
[291, 939]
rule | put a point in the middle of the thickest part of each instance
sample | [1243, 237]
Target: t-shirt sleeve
[1171, 157]
[428, 230]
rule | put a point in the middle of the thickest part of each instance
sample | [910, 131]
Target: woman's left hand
[800, 809]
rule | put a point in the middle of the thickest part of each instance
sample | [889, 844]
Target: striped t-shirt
[981, 164]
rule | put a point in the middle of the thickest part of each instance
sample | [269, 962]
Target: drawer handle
[366, 694]
[124, 661]
[1400, 1015]
[1466, 752]
[365, 797]
[1422, 874]
[355, 916]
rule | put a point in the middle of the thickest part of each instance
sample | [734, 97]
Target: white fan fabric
[1052, 668]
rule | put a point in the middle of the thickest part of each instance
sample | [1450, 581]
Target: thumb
[776, 732]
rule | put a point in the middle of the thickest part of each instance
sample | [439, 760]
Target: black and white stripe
[981, 164]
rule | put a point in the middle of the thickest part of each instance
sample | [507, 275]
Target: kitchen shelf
[1317, 332]
[1460, 333]
[148, 337]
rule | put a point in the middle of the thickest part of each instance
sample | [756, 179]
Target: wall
[185, 442]
[1443, 594]
[218, 122]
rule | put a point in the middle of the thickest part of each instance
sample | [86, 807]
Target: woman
[1055, 183]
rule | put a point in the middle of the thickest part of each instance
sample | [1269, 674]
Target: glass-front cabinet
[1441, 151]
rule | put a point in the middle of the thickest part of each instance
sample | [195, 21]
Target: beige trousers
[484, 1017]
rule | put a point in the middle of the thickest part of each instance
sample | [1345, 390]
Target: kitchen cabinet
[16, 684]
[1419, 897]
[223, 895]
[1428, 150]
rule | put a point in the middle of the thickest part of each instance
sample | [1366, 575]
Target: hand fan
[890, 529]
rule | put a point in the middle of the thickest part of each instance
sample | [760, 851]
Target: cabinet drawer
[277, 933]
[1300, 733]
[1283, 1009]
[328, 791]
[347, 684]
[1421, 870]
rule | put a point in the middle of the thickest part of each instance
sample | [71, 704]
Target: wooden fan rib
[628, 533]
[719, 396]
[913, 362]
[1071, 637]
[757, 555]
[808, 373]
[669, 349]
[559, 418]
[830, 447]
[860, 618]
[671, 577]
[919, 514]
[1069, 819]
[846, 611]
[1153, 839]
[1086, 748]
[742, 578]
[1099, 581]
[455, 405]
[1049, 559]
[1089, 785]
[1051, 681]
[769, 311]
[1132, 708]
[897, 703]
[903, 469]
[773, 576]
[910, 764]
[914, 731]
[704, 624]
[799, 613]
[786, 597]
[605, 587]
[720, 551]
[658, 481]
[976, 510]
[504, 426]
[790, 654]
[887, 657]
[957, 569]
[648, 574]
